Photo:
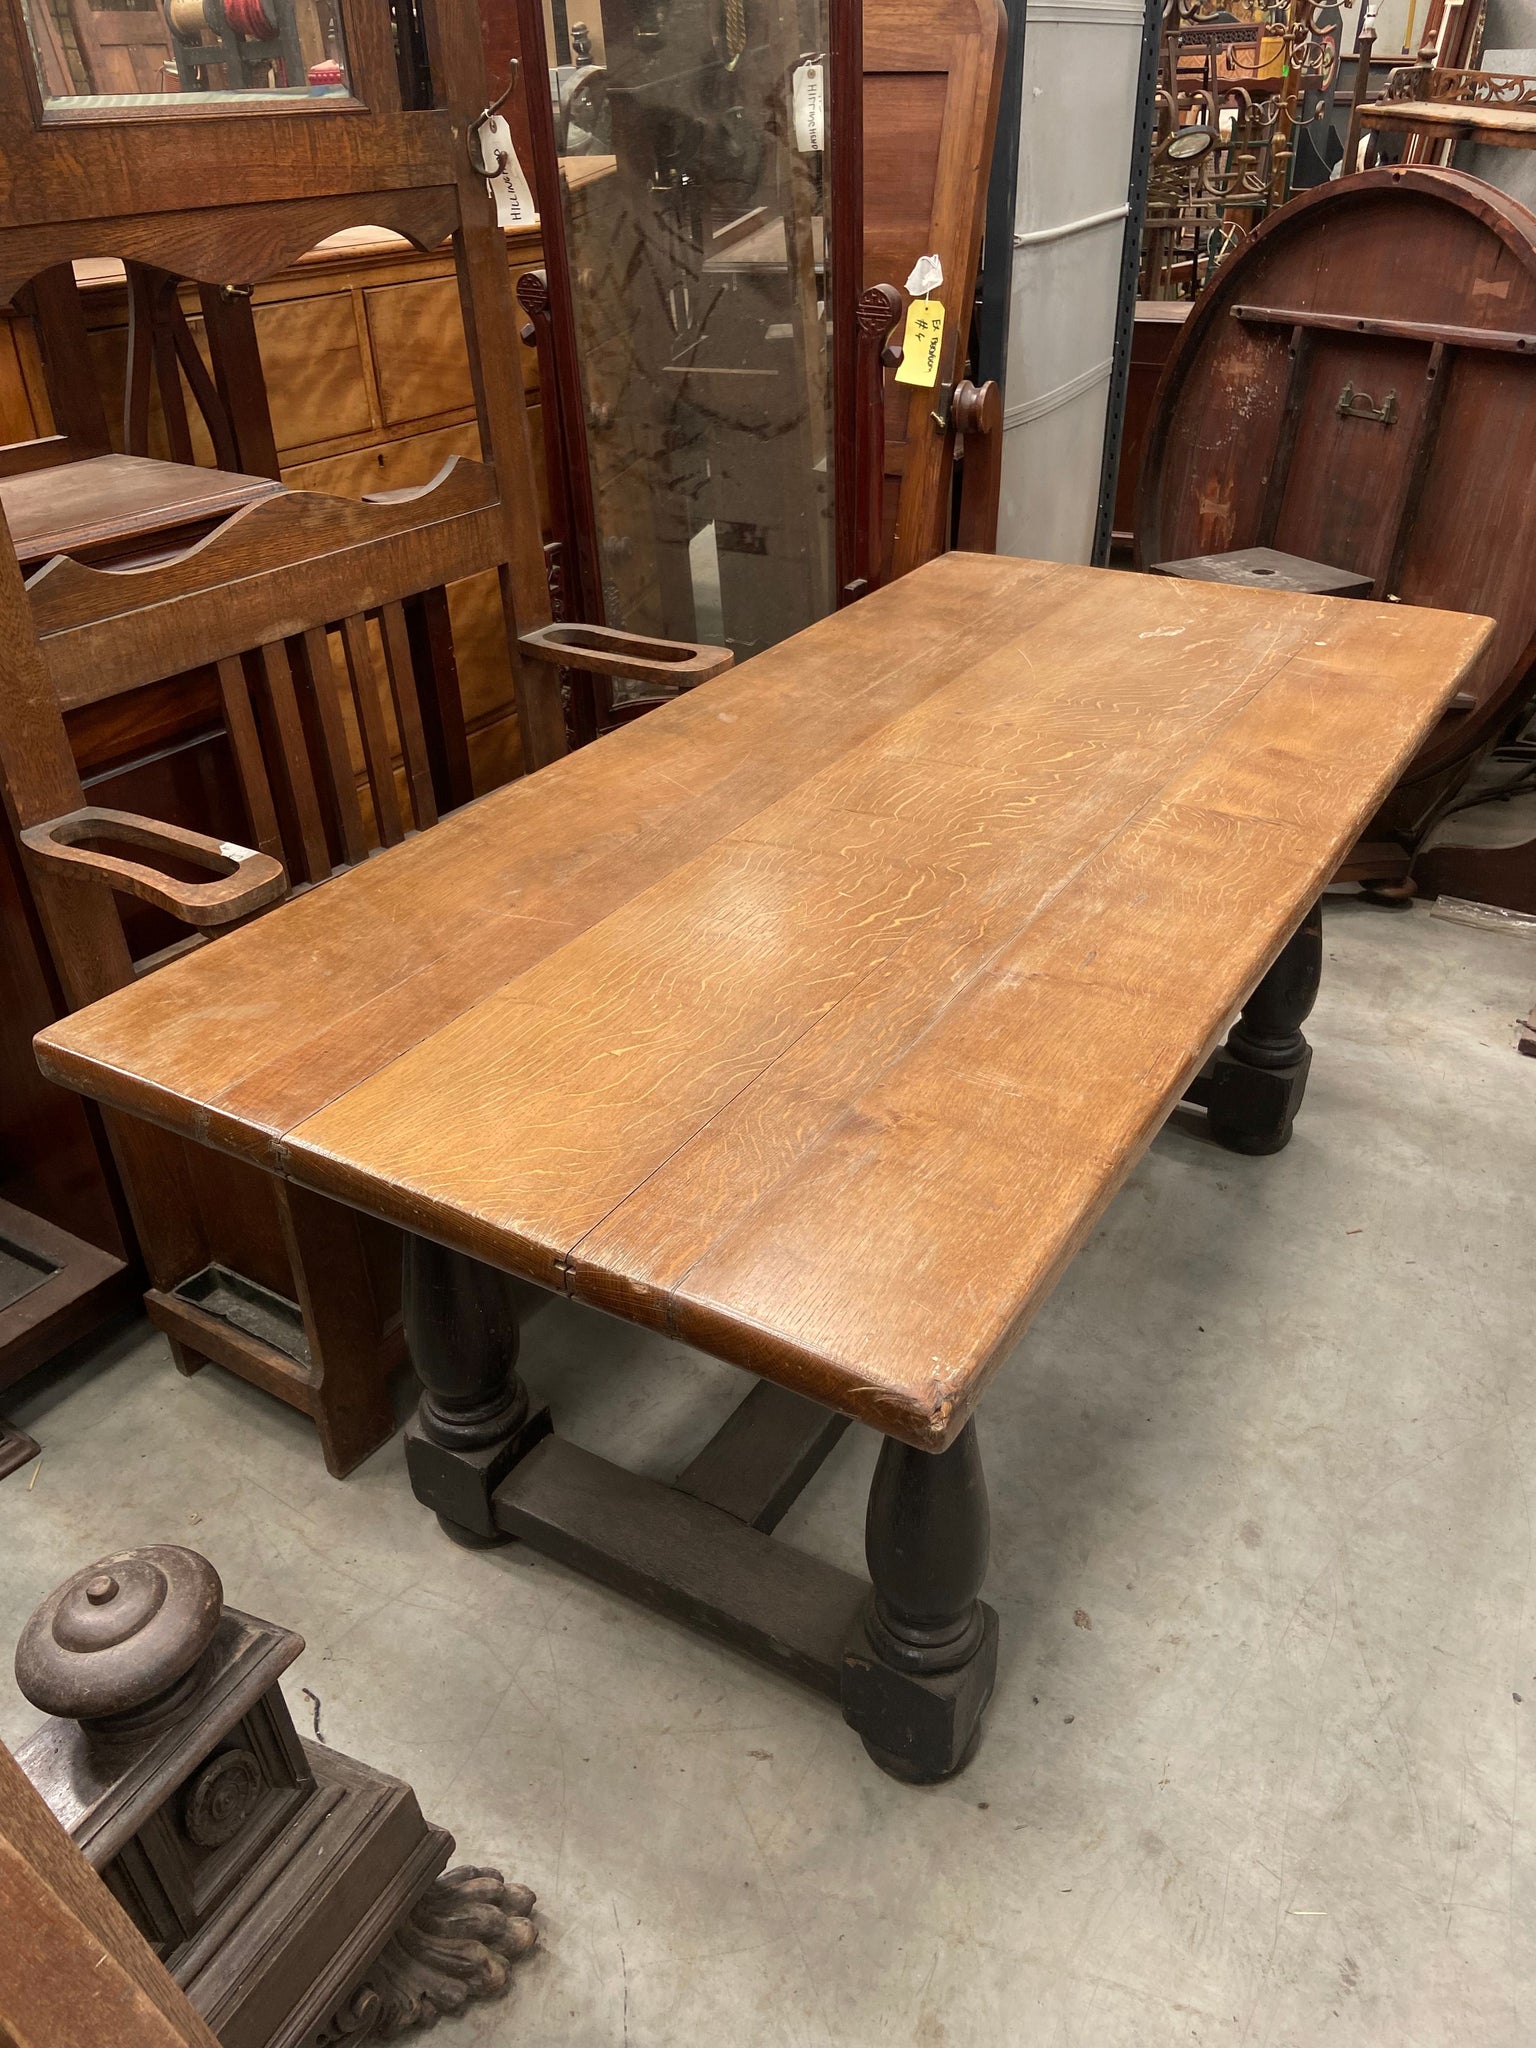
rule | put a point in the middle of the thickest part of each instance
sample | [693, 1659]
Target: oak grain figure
[812, 1019]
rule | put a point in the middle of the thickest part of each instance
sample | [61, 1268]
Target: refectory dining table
[812, 1019]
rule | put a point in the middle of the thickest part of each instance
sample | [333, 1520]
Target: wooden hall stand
[298, 601]
[812, 1019]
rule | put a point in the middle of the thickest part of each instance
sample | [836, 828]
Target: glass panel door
[694, 174]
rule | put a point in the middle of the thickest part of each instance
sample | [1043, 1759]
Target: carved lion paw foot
[458, 1943]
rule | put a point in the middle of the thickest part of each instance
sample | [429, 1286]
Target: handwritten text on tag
[509, 188]
[808, 105]
[920, 344]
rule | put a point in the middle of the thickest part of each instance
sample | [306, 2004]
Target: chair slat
[250, 767]
[325, 695]
[370, 718]
[413, 741]
[297, 772]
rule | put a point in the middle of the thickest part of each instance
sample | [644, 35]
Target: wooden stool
[295, 1893]
[1268, 569]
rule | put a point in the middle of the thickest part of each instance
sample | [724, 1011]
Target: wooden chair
[66, 1242]
[299, 1298]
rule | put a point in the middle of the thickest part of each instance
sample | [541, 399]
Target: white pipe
[1038, 237]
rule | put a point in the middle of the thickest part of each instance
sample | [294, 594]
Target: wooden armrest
[607, 652]
[245, 880]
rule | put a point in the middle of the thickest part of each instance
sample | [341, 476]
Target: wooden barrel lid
[1388, 427]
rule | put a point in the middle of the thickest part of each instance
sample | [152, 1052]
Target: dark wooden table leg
[474, 1421]
[919, 1665]
[1256, 1082]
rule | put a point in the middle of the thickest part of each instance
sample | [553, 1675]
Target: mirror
[100, 55]
[691, 139]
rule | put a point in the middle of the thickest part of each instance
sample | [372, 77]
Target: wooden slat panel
[325, 694]
[413, 742]
[298, 776]
[366, 694]
[245, 744]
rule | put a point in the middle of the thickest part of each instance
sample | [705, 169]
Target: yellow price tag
[921, 343]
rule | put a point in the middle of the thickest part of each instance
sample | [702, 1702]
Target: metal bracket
[1356, 405]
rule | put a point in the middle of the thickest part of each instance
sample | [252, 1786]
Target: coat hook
[486, 115]
[501, 99]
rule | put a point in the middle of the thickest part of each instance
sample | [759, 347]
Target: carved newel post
[295, 1894]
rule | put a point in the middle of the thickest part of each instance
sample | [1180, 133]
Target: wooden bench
[812, 1020]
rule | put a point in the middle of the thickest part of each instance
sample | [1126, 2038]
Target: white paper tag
[509, 188]
[232, 852]
[927, 276]
[808, 105]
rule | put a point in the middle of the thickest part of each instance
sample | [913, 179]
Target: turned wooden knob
[121, 1637]
[977, 408]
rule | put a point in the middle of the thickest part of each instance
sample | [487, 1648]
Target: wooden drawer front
[419, 357]
[387, 465]
[315, 371]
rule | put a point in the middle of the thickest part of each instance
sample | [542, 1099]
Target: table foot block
[1251, 1109]
[921, 1727]
[458, 1484]
[684, 1557]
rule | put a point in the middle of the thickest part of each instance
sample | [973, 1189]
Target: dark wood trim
[85, 1286]
[755, 1466]
[1438, 373]
[1502, 339]
[683, 1557]
[564, 391]
[17, 1449]
[845, 252]
[1285, 440]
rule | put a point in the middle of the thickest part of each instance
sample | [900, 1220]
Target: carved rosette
[458, 1944]
[222, 1798]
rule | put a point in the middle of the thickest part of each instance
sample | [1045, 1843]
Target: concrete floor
[1262, 1547]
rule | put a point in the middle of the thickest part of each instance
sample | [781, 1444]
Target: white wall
[1081, 59]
